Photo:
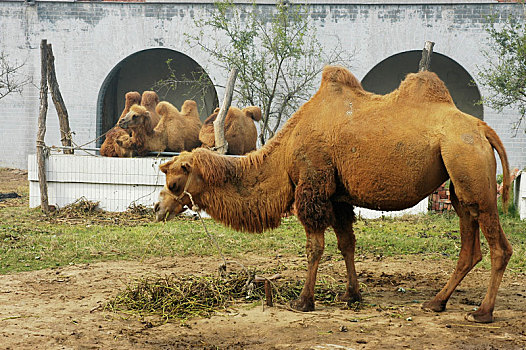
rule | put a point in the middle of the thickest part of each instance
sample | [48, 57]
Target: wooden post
[41, 146]
[425, 62]
[60, 106]
[219, 124]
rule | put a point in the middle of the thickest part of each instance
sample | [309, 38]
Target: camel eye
[134, 116]
[185, 167]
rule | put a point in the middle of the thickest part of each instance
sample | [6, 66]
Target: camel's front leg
[315, 246]
[314, 210]
[344, 218]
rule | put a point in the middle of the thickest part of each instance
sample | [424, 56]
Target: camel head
[181, 176]
[167, 207]
[124, 145]
[137, 116]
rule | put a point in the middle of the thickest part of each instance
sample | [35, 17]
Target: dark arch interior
[387, 75]
[140, 72]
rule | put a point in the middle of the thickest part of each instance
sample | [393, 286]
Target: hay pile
[84, 211]
[183, 297]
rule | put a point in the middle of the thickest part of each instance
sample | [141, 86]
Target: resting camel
[240, 131]
[176, 131]
[109, 147]
[347, 147]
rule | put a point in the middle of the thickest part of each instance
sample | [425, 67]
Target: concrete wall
[90, 38]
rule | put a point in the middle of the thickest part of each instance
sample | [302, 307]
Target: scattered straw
[84, 211]
[182, 297]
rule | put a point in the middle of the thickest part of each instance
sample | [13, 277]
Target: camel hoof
[302, 305]
[436, 306]
[479, 318]
[350, 299]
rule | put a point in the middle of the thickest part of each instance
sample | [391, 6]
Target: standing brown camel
[347, 147]
[240, 131]
[109, 147]
[176, 131]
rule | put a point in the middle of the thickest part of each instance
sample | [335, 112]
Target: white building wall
[90, 38]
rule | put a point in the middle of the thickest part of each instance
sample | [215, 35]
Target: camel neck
[255, 192]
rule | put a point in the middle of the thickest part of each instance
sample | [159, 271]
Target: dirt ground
[62, 308]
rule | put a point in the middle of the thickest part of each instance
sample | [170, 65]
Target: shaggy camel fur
[240, 131]
[176, 131]
[109, 147]
[347, 147]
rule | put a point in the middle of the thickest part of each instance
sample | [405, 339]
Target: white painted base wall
[420, 208]
[117, 183]
[519, 194]
[114, 182]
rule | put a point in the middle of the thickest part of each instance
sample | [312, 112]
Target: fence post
[60, 106]
[221, 145]
[425, 62]
[41, 146]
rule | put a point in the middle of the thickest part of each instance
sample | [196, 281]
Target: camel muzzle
[123, 124]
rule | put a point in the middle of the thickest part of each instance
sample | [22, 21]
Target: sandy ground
[62, 308]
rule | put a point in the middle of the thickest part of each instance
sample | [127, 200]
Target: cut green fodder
[183, 297]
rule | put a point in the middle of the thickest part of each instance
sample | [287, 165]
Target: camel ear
[165, 166]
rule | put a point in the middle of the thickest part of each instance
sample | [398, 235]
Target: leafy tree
[10, 78]
[505, 74]
[278, 56]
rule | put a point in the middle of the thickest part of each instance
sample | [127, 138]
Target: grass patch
[29, 240]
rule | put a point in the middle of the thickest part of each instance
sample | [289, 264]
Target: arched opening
[141, 71]
[387, 75]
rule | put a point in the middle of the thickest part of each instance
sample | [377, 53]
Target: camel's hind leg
[344, 218]
[500, 252]
[471, 166]
[469, 255]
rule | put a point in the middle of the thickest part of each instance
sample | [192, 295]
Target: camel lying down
[347, 147]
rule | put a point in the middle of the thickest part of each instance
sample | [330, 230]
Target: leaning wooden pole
[221, 145]
[41, 146]
[425, 61]
[60, 106]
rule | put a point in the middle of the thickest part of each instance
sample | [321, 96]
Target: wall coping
[272, 2]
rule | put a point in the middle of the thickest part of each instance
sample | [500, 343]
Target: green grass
[29, 241]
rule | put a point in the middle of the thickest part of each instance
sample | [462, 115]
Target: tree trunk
[219, 124]
[425, 62]
[41, 146]
[60, 106]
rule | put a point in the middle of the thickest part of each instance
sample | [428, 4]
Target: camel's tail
[496, 143]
